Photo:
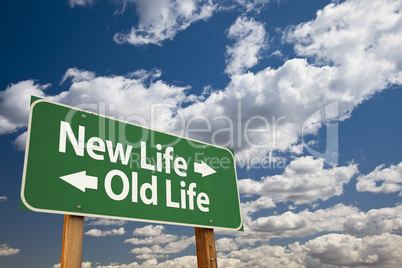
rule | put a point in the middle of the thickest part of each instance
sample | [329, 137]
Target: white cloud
[5, 250]
[225, 244]
[250, 37]
[85, 264]
[77, 75]
[106, 222]
[381, 180]
[375, 221]
[100, 233]
[3, 198]
[20, 142]
[151, 256]
[155, 237]
[253, 5]
[304, 223]
[249, 207]
[256, 113]
[266, 256]
[152, 240]
[344, 250]
[149, 263]
[290, 224]
[332, 250]
[149, 230]
[278, 101]
[81, 3]
[183, 262]
[373, 226]
[340, 218]
[172, 247]
[139, 98]
[304, 180]
[14, 104]
[163, 19]
[361, 39]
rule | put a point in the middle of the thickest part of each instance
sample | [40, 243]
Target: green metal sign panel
[81, 163]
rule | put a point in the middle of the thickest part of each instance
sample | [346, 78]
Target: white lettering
[191, 194]
[180, 163]
[168, 156]
[119, 151]
[108, 185]
[78, 145]
[134, 187]
[153, 187]
[203, 199]
[143, 160]
[91, 147]
[169, 202]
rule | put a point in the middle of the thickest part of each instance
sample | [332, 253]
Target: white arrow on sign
[81, 180]
[203, 169]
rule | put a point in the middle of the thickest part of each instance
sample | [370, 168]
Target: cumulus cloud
[336, 33]
[85, 264]
[381, 180]
[149, 230]
[14, 104]
[139, 98]
[265, 256]
[375, 221]
[163, 19]
[152, 240]
[172, 247]
[339, 64]
[77, 75]
[304, 223]
[263, 202]
[5, 250]
[81, 3]
[184, 262]
[359, 38]
[344, 250]
[256, 113]
[332, 250]
[106, 222]
[154, 236]
[151, 256]
[225, 244]
[100, 233]
[291, 224]
[305, 180]
[339, 218]
[250, 38]
[253, 5]
[20, 142]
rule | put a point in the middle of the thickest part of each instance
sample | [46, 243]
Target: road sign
[81, 163]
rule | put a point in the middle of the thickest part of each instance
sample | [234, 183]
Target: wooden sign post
[205, 244]
[73, 233]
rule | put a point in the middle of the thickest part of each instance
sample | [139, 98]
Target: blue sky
[318, 82]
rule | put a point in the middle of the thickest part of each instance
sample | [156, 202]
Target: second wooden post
[205, 244]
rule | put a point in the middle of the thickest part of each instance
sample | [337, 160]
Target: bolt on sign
[81, 163]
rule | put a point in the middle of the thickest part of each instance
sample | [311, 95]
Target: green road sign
[81, 163]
